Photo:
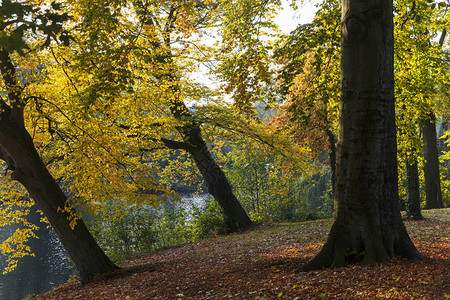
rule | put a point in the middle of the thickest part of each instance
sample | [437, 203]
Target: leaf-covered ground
[260, 264]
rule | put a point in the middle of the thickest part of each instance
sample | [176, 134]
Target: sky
[288, 19]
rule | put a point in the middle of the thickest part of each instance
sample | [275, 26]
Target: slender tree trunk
[236, 219]
[18, 151]
[413, 192]
[332, 157]
[431, 169]
[368, 225]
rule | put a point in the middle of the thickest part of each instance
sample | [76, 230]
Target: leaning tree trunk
[18, 151]
[368, 226]
[413, 192]
[431, 169]
[28, 169]
[236, 219]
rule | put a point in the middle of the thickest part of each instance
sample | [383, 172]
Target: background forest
[166, 122]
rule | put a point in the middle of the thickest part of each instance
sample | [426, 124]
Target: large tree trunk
[368, 225]
[413, 192]
[431, 169]
[18, 151]
[28, 169]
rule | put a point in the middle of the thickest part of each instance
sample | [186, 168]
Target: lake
[50, 266]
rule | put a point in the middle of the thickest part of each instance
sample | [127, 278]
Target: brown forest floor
[260, 264]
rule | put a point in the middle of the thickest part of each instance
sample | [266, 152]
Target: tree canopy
[124, 100]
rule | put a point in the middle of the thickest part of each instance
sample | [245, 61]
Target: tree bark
[431, 169]
[368, 226]
[332, 157]
[413, 192]
[18, 151]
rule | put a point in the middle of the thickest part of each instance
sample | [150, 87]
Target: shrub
[208, 220]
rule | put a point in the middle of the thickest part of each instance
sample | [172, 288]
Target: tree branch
[442, 39]
[175, 144]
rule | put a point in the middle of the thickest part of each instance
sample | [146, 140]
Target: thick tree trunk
[413, 192]
[18, 151]
[28, 168]
[431, 169]
[368, 225]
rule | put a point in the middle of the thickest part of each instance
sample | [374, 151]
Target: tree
[20, 155]
[431, 167]
[236, 218]
[421, 75]
[368, 225]
[412, 191]
[130, 76]
[310, 58]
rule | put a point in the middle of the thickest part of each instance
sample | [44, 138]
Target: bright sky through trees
[288, 19]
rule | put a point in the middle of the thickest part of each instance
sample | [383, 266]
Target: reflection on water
[33, 275]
